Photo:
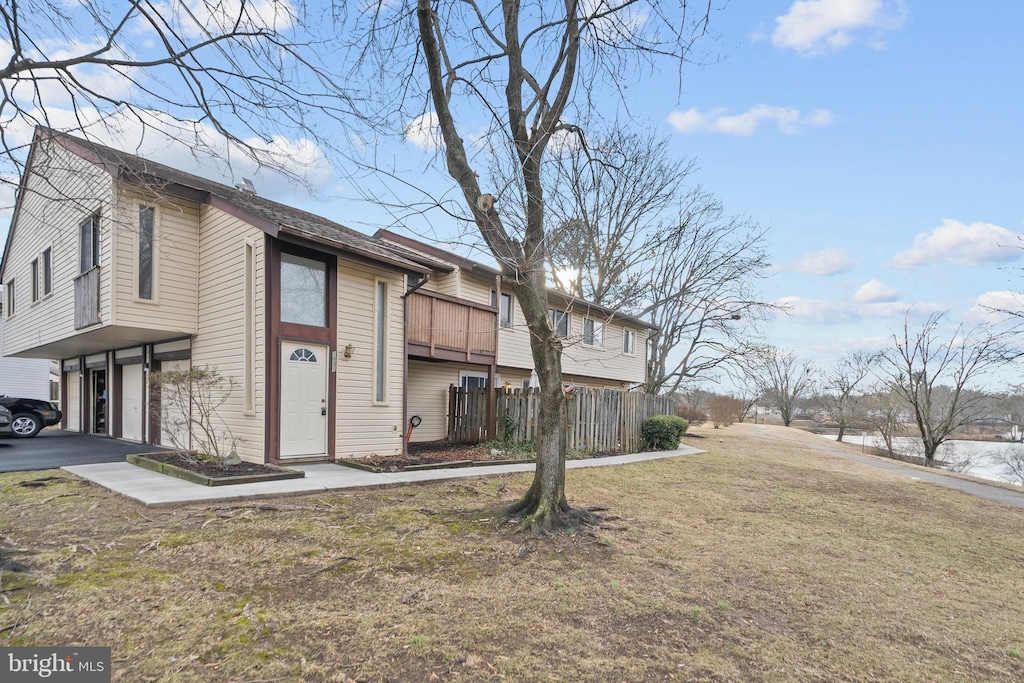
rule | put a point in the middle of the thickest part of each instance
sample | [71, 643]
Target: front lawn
[761, 560]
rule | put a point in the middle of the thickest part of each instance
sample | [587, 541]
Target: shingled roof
[272, 217]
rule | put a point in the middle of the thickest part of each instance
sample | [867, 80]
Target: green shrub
[663, 431]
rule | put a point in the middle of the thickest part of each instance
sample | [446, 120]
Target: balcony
[445, 328]
[87, 298]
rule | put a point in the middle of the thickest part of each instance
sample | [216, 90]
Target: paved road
[58, 448]
[993, 493]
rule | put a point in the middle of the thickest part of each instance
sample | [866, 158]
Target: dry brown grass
[761, 560]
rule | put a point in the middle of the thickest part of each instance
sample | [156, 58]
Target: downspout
[405, 362]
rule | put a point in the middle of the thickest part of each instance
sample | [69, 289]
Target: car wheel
[25, 425]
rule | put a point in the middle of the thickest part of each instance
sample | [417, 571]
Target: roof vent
[246, 186]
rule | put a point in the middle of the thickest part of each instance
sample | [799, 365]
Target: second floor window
[303, 291]
[593, 333]
[35, 280]
[146, 216]
[47, 271]
[559, 321]
[504, 306]
[9, 302]
[89, 243]
[629, 342]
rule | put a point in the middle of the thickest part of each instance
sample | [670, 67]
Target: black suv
[30, 415]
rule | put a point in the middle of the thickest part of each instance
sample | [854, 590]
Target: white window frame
[46, 264]
[630, 337]
[95, 246]
[596, 333]
[466, 374]
[154, 287]
[34, 270]
[9, 299]
[496, 301]
[381, 341]
[552, 312]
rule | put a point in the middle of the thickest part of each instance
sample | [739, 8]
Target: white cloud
[835, 312]
[812, 27]
[995, 307]
[787, 119]
[874, 291]
[283, 167]
[965, 244]
[424, 132]
[825, 262]
[198, 18]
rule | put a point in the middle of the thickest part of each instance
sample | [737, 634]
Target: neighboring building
[604, 349]
[120, 266]
[25, 377]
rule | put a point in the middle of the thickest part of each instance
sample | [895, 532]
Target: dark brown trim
[180, 354]
[64, 397]
[153, 406]
[115, 400]
[278, 332]
[97, 364]
[311, 242]
[424, 352]
[130, 360]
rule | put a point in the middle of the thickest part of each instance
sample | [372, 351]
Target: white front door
[304, 408]
[131, 402]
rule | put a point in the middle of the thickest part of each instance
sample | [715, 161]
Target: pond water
[980, 454]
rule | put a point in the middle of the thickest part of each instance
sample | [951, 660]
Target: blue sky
[878, 141]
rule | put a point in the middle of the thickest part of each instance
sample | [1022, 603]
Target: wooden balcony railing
[87, 298]
[447, 328]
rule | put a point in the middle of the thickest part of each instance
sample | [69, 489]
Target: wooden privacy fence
[597, 419]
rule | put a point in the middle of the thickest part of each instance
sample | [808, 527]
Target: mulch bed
[209, 469]
[441, 452]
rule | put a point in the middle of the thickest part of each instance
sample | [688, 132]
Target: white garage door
[132, 393]
[74, 401]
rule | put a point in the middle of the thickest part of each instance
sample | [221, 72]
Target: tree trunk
[842, 431]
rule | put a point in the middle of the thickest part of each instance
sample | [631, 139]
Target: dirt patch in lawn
[759, 560]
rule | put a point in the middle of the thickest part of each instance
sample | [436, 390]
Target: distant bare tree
[783, 378]
[935, 374]
[723, 410]
[610, 199]
[1012, 460]
[884, 411]
[838, 397]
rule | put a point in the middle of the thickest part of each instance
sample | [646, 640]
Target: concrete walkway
[996, 494]
[154, 489]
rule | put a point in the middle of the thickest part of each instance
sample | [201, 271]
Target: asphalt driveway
[57, 448]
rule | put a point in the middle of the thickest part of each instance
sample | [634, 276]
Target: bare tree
[1012, 460]
[884, 414]
[936, 373]
[702, 295]
[222, 75]
[839, 384]
[514, 77]
[187, 402]
[610, 199]
[783, 378]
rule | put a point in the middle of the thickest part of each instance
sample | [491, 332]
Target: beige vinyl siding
[607, 362]
[449, 283]
[428, 395]
[477, 290]
[175, 268]
[363, 427]
[515, 377]
[221, 337]
[50, 213]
